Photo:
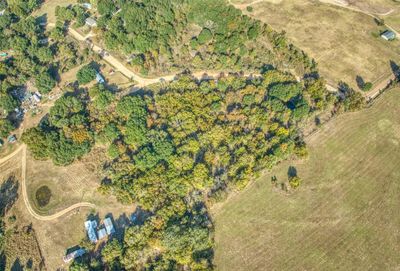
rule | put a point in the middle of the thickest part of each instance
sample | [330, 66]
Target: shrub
[295, 182]
[86, 74]
[43, 195]
[367, 86]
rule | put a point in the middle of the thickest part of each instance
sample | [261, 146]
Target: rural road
[25, 197]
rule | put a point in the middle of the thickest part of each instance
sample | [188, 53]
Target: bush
[249, 8]
[5, 127]
[43, 195]
[367, 86]
[295, 182]
[45, 83]
[204, 36]
[86, 74]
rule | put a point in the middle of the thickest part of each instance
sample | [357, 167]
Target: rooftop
[91, 22]
[109, 226]
[90, 227]
[388, 35]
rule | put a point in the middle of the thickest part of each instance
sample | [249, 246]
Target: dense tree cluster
[29, 57]
[170, 148]
[166, 35]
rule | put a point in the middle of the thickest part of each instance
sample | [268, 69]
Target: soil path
[22, 149]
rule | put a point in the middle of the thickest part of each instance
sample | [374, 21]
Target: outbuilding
[87, 5]
[388, 35]
[109, 226]
[91, 22]
[12, 139]
[99, 78]
[73, 255]
[102, 233]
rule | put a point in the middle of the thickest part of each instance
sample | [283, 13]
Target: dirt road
[22, 149]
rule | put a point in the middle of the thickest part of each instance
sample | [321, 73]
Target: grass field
[345, 43]
[49, 6]
[345, 215]
[68, 185]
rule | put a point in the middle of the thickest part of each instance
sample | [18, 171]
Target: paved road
[22, 149]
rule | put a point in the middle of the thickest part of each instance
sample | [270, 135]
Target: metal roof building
[91, 22]
[109, 226]
[388, 35]
[73, 255]
[90, 227]
[99, 78]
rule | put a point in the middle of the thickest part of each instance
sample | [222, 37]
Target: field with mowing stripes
[344, 216]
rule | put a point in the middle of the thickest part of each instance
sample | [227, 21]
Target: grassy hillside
[345, 216]
[344, 43]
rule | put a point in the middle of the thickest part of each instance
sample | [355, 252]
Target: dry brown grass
[48, 8]
[345, 216]
[342, 41]
[69, 185]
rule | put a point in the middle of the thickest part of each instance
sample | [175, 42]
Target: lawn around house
[345, 214]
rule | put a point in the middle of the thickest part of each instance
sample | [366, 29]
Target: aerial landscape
[199, 135]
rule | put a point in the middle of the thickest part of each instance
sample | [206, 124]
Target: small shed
[12, 139]
[388, 35]
[99, 78]
[2, 12]
[102, 233]
[91, 22]
[37, 97]
[109, 226]
[87, 5]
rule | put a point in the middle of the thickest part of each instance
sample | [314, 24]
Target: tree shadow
[3, 261]
[8, 194]
[395, 69]
[139, 216]
[292, 172]
[17, 265]
[360, 82]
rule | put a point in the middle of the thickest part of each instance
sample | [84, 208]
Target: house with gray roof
[388, 35]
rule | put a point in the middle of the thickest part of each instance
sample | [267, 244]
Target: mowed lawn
[48, 8]
[346, 214]
[345, 43]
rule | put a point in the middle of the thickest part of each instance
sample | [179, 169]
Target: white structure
[87, 5]
[102, 233]
[91, 22]
[2, 12]
[37, 97]
[109, 226]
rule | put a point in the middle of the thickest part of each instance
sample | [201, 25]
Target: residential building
[90, 227]
[388, 35]
[73, 255]
[91, 22]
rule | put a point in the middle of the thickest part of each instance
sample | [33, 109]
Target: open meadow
[344, 216]
[68, 185]
[345, 43]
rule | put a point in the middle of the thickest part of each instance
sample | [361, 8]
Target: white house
[91, 22]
